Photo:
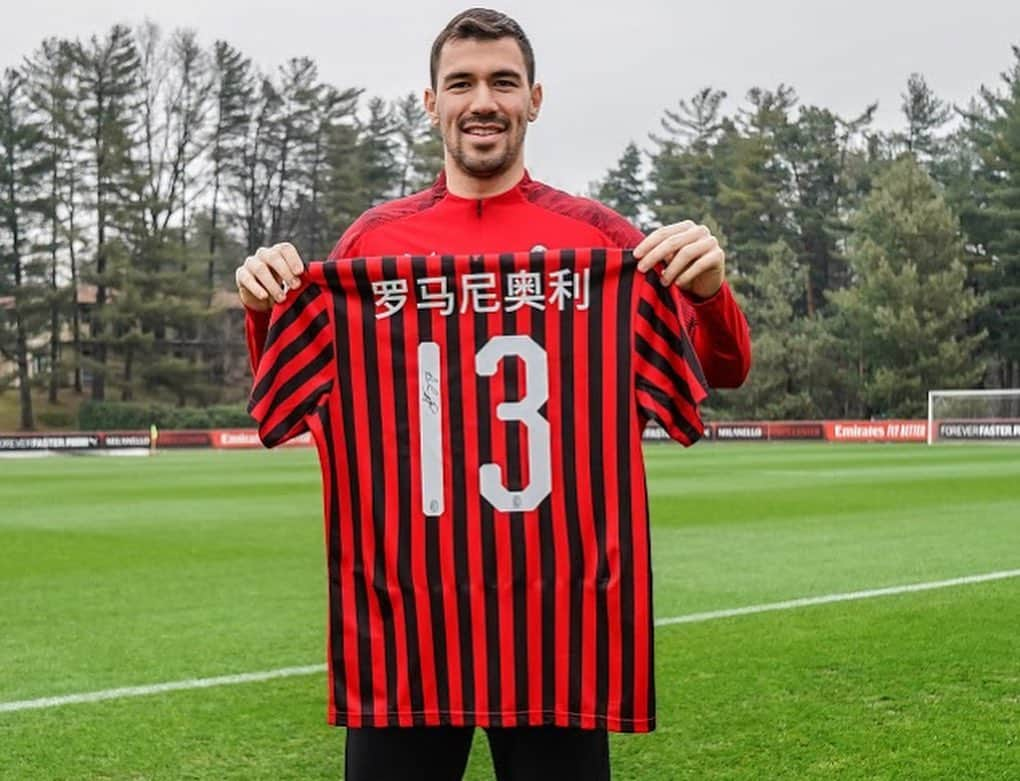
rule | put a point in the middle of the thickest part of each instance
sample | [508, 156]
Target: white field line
[826, 599]
[314, 669]
[157, 688]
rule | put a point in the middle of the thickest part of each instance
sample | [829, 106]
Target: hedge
[113, 416]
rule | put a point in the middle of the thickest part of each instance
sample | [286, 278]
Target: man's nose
[483, 101]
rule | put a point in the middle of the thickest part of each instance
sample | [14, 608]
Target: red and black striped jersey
[478, 422]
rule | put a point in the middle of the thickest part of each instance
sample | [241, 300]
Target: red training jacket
[532, 214]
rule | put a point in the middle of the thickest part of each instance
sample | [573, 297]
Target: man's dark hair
[482, 24]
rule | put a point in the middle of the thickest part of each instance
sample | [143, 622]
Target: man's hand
[266, 276]
[693, 259]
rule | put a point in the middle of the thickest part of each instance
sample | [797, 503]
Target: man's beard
[484, 166]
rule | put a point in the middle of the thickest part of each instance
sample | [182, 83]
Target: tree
[991, 214]
[108, 80]
[291, 134]
[23, 165]
[905, 319]
[819, 149]
[49, 87]
[378, 164]
[754, 182]
[232, 90]
[429, 159]
[334, 112]
[252, 172]
[683, 182]
[623, 188]
[926, 115]
[795, 372]
[412, 130]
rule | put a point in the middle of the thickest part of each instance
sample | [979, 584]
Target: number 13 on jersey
[525, 411]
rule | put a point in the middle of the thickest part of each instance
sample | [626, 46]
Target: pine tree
[23, 168]
[334, 110]
[991, 214]
[49, 87]
[820, 150]
[926, 115]
[291, 134]
[378, 164]
[412, 131]
[232, 92]
[108, 82]
[429, 160]
[252, 172]
[794, 374]
[906, 316]
[623, 188]
[753, 181]
[683, 181]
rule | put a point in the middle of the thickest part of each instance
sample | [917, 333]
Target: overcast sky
[609, 69]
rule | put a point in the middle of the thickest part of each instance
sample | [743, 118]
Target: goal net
[974, 415]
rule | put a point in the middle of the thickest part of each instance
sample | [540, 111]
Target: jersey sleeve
[296, 369]
[256, 324]
[669, 382]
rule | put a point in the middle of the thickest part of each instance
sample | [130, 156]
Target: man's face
[482, 104]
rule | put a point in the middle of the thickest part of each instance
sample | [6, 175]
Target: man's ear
[429, 101]
[536, 102]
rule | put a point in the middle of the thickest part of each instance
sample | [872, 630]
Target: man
[482, 96]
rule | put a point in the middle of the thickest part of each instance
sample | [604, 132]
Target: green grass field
[120, 572]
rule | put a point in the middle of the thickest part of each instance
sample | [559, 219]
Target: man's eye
[459, 85]
[506, 83]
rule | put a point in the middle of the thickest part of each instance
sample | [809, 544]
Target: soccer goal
[974, 415]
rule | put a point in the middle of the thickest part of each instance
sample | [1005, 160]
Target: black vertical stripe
[622, 415]
[433, 567]
[515, 480]
[342, 341]
[547, 537]
[455, 393]
[573, 516]
[379, 484]
[406, 514]
[333, 553]
[596, 411]
[490, 570]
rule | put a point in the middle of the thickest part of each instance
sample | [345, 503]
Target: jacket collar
[515, 193]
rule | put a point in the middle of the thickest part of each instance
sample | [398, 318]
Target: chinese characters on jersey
[559, 289]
